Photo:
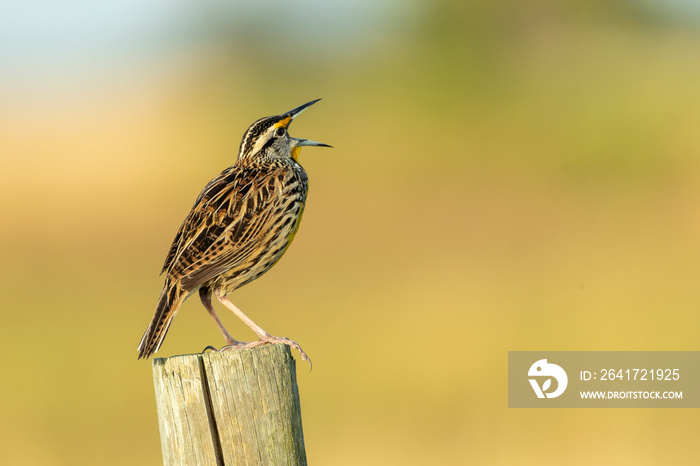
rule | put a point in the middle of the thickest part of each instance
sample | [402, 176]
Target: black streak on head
[256, 130]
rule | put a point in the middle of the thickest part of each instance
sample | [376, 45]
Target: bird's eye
[280, 132]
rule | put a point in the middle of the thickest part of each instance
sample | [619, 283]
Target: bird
[241, 224]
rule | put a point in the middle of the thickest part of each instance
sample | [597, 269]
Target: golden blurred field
[502, 179]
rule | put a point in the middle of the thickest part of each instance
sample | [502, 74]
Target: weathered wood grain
[232, 408]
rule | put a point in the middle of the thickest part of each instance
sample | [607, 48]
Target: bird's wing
[194, 220]
[224, 226]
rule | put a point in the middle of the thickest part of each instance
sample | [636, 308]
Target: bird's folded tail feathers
[171, 298]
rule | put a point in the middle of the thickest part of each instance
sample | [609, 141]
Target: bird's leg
[205, 296]
[265, 338]
[262, 334]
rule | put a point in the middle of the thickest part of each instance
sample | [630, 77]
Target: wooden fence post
[230, 408]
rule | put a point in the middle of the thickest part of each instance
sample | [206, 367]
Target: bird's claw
[268, 340]
[286, 341]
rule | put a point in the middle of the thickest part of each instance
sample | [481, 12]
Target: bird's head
[268, 138]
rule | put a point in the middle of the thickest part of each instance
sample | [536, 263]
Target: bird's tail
[171, 298]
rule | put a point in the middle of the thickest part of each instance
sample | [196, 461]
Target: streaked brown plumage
[240, 225]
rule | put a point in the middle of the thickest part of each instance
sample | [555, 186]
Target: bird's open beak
[293, 113]
[298, 142]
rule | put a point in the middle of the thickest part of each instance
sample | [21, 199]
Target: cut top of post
[229, 408]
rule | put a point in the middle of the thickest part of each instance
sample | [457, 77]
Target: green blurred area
[504, 177]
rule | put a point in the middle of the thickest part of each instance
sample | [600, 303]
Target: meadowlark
[239, 227]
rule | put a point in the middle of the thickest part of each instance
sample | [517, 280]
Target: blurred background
[505, 176]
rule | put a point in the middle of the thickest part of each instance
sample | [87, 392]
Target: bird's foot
[267, 340]
[230, 345]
